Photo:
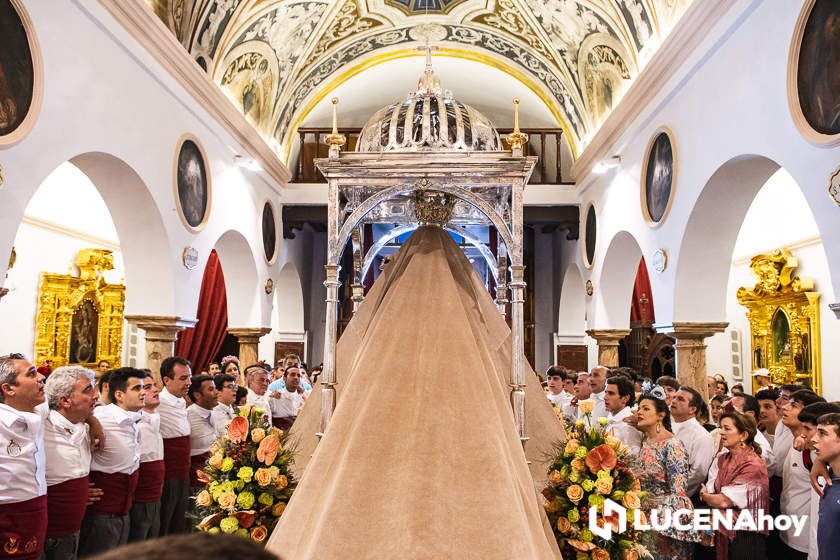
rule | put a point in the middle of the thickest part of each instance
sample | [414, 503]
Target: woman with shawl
[738, 481]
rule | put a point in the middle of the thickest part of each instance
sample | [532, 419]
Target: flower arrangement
[589, 468]
[248, 479]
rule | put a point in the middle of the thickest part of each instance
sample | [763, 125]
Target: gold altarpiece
[784, 315]
[80, 319]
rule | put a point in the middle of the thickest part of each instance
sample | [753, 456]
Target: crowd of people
[91, 460]
[776, 452]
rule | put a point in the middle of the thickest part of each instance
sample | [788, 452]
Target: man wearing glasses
[223, 413]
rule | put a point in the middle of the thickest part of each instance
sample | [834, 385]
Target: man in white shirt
[286, 403]
[145, 511]
[555, 378]
[583, 391]
[697, 441]
[619, 396]
[223, 413]
[204, 396]
[598, 381]
[23, 494]
[71, 395]
[257, 379]
[783, 437]
[114, 469]
[175, 429]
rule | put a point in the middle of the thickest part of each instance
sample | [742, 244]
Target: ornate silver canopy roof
[428, 119]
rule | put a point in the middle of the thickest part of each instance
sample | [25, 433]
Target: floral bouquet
[248, 478]
[591, 467]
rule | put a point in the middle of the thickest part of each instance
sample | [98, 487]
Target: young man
[782, 437]
[175, 429]
[114, 469]
[71, 396]
[145, 512]
[102, 385]
[747, 404]
[223, 413]
[204, 396]
[555, 377]
[103, 366]
[768, 412]
[826, 442]
[285, 404]
[214, 369]
[697, 441]
[670, 385]
[619, 396]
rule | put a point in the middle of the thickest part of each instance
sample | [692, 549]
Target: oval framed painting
[269, 232]
[814, 72]
[590, 236]
[21, 73]
[659, 179]
[192, 183]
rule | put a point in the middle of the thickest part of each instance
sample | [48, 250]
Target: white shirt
[151, 442]
[796, 498]
[700, 447]
[173, 416]
[560, 399]
[629, 436]
[66, 449]
[782, 443]
[22, 473]
[222, 414]
[287, 404]
[813, 546]
[202, 429]
[572, 411]
[122, 442]
[766, 450]
[260, 401]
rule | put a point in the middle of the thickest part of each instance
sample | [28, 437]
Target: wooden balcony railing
[548, 144]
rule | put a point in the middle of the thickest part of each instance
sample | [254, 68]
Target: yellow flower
[563, 525]
[636, 486]
[555, 477]
[257, 434]
[586, 406]
[282, 482]
[245, 410]
[227, 464]
[259, 533]
[578, 465]
[204, 498]
[215, 460]
[263, 477]
[631, 554]
[278, 509]
[600, 554]
[631, 500]
[612, 441]
[227, 500]
[572, 446]
[603, 486]
[575, 493]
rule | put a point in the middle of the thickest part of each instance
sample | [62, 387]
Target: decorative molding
[690, 31]
[70, 232]
[810, 241]
[685, 330]
[145, 27]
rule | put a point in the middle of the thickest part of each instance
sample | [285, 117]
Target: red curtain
[201, 343]
[641, 308]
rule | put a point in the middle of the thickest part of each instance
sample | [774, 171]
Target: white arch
[571, 311]
[241, 279]
[618, 274]
[288, 314]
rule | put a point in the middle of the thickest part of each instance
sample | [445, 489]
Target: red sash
[117, 492]
[66, 503]
[150, 484]
[23, 526]
[176, 455]
[197, 463]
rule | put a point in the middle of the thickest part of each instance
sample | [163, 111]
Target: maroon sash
[176, 455]
[197, 463]
[66, 503]
[150, 485]
[23, 526]
[117, 492]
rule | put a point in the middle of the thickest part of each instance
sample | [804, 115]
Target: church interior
[651, 184]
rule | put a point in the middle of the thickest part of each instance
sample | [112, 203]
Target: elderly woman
[738, 480]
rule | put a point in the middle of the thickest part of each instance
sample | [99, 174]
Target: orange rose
[600, 554]
[601, 458]
[263, 477]
[603, 486]
[282, 482]
[257, 435]
[226, 500]
[259, 533]
[586, 406]
[268, 449]
[215, 460]
[551, 507]
[575, 493]
[237, 430]
[578, 465]
[631, 500]
[631, 554]
[555, 477]
[204, 499]
[636, 486]
[571, 446]
[278, 509]
[563, 525]
[581, 545]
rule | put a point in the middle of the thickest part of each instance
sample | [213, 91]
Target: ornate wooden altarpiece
[427, 159]
[784, 315]
[80, 319]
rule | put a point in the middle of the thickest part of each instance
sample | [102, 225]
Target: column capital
[161, 327]
[249, 334]
[691, 330]
[608, 336]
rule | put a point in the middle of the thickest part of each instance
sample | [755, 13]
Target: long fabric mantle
[421, 459]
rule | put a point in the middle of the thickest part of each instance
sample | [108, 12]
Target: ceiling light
[247, 163]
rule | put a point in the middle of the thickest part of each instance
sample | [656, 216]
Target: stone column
[608, 340]
[161, 332]
[328, 374]
[691, 350]
[249, 340]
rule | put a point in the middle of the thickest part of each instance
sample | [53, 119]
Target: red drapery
[201, 343]
[641, 308]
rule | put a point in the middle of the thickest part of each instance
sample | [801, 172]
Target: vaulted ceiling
[277, 58]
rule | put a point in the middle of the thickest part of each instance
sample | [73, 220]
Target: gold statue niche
[784, 316]
[80, 319]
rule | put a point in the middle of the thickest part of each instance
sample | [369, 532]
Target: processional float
[427, 158]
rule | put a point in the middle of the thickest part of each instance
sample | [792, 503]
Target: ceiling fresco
[277, 58]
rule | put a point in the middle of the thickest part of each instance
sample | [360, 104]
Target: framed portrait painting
[659, 177]
[20, 73]
[192, 183]
[269, 232]
[590, 236]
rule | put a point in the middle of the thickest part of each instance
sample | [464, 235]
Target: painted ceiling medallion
[423, 6]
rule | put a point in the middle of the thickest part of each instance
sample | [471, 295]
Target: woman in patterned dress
[664, 468]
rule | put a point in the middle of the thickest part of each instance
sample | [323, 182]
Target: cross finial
[429, 83]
